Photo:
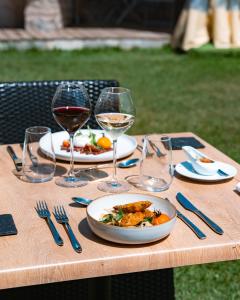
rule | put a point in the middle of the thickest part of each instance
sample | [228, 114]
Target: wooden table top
[31, 257]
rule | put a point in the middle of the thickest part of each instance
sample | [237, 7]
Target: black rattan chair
[24, 104]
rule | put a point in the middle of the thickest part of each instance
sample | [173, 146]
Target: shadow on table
[92, 175]
[58, 172]
[85, 230]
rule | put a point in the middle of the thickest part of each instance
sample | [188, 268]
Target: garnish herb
[149, 219]
[107, 218]
[119, 215]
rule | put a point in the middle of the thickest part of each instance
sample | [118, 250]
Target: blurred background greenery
[197, 92]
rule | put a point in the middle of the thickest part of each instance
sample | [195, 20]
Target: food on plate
[133, 207]
[206, 160]
[90, 143]
[160, 218]
[66, 143]
[104, 142]
[134, 214]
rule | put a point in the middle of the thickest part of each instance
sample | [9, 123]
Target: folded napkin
[178, 143]
[7, 225]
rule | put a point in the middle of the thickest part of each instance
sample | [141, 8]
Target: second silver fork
[148, 153]
[62, 218]
[43, 212]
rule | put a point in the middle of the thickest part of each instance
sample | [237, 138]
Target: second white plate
[125, 146]
[185, 169]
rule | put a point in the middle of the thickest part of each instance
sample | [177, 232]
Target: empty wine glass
[115, 113]
[71, 109]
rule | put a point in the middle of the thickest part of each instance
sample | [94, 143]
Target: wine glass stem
[71, 170]
[114, 177]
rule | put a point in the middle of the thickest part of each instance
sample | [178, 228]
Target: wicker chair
[24, 104]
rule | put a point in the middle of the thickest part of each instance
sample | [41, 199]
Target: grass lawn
[197, 92]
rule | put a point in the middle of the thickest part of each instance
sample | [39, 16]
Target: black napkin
[178, 143]
[7, 225]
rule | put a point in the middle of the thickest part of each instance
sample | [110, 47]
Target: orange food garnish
[66, 143]
[104, 143]
[160, 219]
[206, 160]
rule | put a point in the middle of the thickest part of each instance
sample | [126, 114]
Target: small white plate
[125, 146]
[130, 235]
[186, 169]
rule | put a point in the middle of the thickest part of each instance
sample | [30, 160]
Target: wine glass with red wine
[71, 109]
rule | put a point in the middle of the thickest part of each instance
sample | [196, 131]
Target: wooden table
[31, 257]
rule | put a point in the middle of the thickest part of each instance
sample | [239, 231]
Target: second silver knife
[194, 228]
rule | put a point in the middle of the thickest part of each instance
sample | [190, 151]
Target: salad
[89, 143]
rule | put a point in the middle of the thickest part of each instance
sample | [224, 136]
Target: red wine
[71, 118]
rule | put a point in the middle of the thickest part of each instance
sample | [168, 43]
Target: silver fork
[148, 153]
[62, 218]
[43, 212]
[156, 149]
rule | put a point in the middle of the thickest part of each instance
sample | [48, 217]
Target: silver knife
[189, 206]
[194, 228]
[17, 161]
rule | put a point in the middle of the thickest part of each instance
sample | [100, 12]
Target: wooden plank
[31, 257]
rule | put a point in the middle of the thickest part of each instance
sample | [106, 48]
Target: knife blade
[17, 161]
[189, 206]
[194, 228]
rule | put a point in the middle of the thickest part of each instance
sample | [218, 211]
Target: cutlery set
[62, 218]
[189, 206]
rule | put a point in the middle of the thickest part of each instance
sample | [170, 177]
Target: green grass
[197, 92]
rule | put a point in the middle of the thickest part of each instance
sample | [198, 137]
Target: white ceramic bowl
[202, 168]
[130, 235]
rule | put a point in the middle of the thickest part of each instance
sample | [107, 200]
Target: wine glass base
[135, 181]
[114, 187]
[70, 182]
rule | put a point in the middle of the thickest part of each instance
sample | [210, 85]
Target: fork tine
[55, 211]
[38, 205]
[61, 210]
[64, 212]
[54, 215]
[58, 212]
[41, 205]
[45, 204]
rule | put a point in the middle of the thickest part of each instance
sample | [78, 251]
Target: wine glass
[71, 109]
[115, 113]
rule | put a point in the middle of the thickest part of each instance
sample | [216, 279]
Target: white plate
[125, 146]
[185, 169]
[130, 235]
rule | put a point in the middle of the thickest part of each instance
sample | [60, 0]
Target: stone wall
[43, 15]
